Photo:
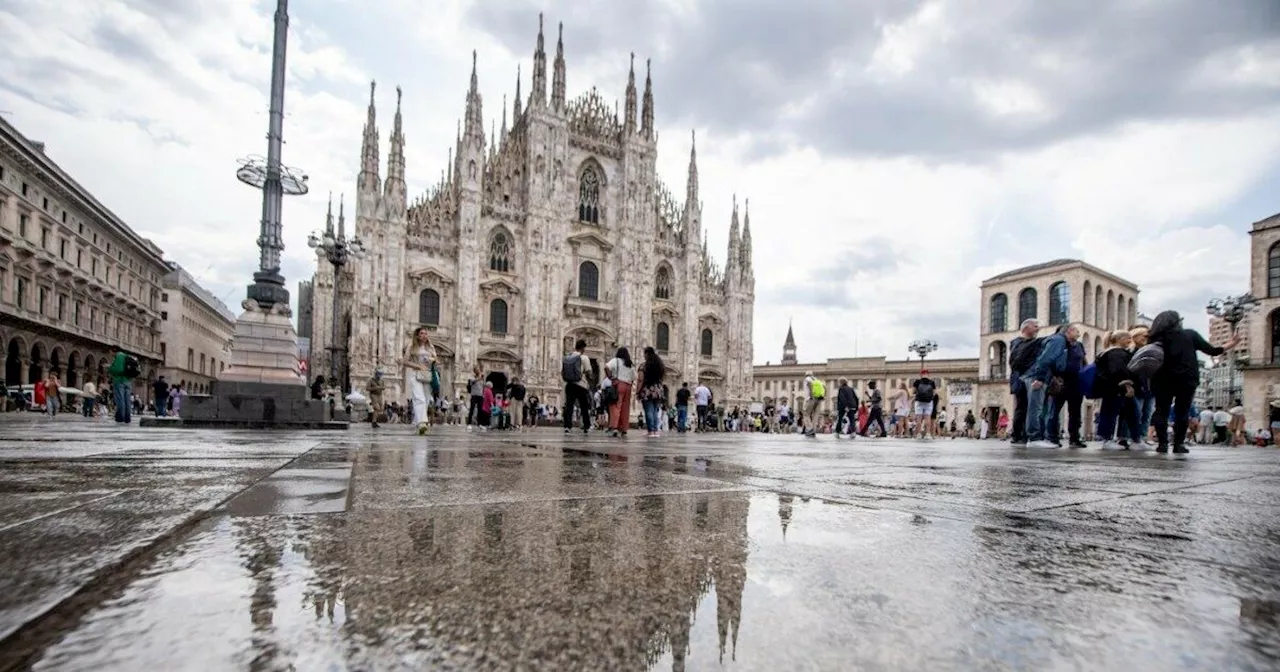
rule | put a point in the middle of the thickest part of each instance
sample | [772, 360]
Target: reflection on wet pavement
[748, 552]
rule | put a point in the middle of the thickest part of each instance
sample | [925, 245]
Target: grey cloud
[740, 66]
[834, 283]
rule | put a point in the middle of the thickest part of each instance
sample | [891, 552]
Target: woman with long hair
[419, 362]
[652, 393]
[1175, 383]
[622, 373]
[1115, 387]
[1143, 397]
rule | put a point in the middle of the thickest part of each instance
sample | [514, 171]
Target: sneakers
[1162, 448]
[422, 428]
[1077, 444]
[1180, 450]
[1110, 445]
[1042, 444]
[1018, 443]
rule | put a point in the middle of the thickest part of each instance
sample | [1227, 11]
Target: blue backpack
[1087, 376]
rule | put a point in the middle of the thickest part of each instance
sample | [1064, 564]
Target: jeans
[682, 417]
[1072, 403]
[844, 413]
[1146, 405]
[875, 416]
[161, 406]
[87, 403]
[576, 395]
[1118, 418]
[473, 412]
[702, 418]
[1179, 395]
[53, 404]
[124, 405]
[1035, 410]
[1018, 429]
[652, 414]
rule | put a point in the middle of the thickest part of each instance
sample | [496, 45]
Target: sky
[895, 152]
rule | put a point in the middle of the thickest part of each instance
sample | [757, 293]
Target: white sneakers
[1042, 444]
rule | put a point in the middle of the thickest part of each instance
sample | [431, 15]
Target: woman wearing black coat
[1114, 386]
[1176, 382]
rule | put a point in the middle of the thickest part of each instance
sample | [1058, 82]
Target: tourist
[1115, 388]
[652, 391]
[1175, 383]
[1221, 424]
[90, 397]
[485, 417]
[52, 390]
[1023, 352]
[175, 398]
[702, 403]
[846, 409]
[682, 407]
[1071, 397]
[816, 391]
[875, 414]
[621, 372]
[1044, 378]
[419, 361]
[970, 422]
[1143, 397]
[475, 387]
[577, 391]
[925, 394]
[377, 387]
[515, 403]
[901, 411]
[161, 390]
[123, 370]
[1236, 428]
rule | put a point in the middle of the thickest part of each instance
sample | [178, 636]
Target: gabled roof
[1043, 266]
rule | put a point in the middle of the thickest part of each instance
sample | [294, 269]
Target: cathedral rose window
[589, 196]
[500, 257]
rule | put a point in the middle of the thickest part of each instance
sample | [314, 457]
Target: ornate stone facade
[75, 281]
[1261, 368]
[557, 229]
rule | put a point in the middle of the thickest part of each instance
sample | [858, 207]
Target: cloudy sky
[895, 152]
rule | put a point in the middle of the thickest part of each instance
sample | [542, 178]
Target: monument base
[263, 388]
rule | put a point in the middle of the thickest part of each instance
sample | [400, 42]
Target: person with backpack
[1175, 383]
[926, 392]
[1023, 352]
[817, 391]
[576, 391]
[876, 412]
[124, 368]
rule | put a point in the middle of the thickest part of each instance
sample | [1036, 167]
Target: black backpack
[131, 368]
[571, 368]
[1024, 355]
[925, 391]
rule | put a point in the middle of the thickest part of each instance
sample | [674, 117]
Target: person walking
[652, 391]
[577, 392]
[846, 410]
[475, 387]
[160, 389]
[1175, 383]
[176, 393]
[622, 374]
[682, 407]
[1023, 352]
[52, 394]
[90, 398]
[123, 370]
[1143, 398]
[419, 361]
[816, 391]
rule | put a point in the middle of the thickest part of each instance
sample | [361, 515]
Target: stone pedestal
[263, 388]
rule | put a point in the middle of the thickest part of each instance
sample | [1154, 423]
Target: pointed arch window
[1028, 305]
[589, 281]
[501, 258]
[999, 313]
[429, 307]
[1059, 303]
[589, 196]
[662, 337]
[708, 342]
[662, 284]
[498, 316]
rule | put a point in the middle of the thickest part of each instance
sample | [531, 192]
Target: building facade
[1261, 373]
[75, 281]
[785, 381]
[195, 331]
[554, 229]
[1063, 291]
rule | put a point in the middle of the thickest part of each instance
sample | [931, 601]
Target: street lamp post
[338, 250]
[1232, 309]
[922, 349]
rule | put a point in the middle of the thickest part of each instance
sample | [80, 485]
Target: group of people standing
[1049, 374]
[622, 380]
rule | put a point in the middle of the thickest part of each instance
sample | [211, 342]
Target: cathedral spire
[342, 217]
[557, 81]
[646, 117]
[474, 122]
[328, 219]
[745, 251]
[504, 119]
[515, 112]
[630, 124]
[368, 181]
[538, 97]
[449, 167]
[735, 239]
[395, 162]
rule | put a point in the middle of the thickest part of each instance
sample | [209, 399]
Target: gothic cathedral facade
[557, 229]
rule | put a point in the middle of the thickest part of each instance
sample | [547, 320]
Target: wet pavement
[166, 549]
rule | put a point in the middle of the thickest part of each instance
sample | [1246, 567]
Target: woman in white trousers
[419, 357]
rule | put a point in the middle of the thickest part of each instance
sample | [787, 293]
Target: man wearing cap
[925, 397]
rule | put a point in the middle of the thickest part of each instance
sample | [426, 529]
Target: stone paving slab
[537, 550]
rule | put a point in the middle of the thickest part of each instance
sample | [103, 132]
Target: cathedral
[557, 228]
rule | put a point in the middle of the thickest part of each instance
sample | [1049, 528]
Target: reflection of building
[576, 583]
[75, 281]
[1261, 376]
[555, 229]
[786, 381]
[1054, 293]
[196, 329]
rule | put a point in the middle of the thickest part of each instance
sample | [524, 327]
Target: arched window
[662, 284]
[1099, 308]
[588, 281]
[999, 313]
[1027, 305]
[429, 307]
[498, 316]
[1097, 345]
[1111, 310]
[663, 337]
[1087, 313]
[1132, 313]
[1273, 271]
[708, 340]
[1275, 337]
[1059, 303]
[998, 358]
[500, 255]
[1122, 312]
[589, 196]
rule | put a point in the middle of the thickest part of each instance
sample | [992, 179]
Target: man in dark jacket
[846, 408]
[1072, 396]
[1023, 351]
[1176, 382]
[1049, 365]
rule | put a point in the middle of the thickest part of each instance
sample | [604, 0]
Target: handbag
[435, 380]
[609, 396]
[1055, 387]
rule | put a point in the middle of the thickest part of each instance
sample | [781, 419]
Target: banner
[960, 394]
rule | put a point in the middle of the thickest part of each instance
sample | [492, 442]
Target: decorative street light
[1232, 310]
[338, 250]
[922, 349]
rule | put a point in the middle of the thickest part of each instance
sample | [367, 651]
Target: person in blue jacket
[1072, 397]
[1051, 363]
